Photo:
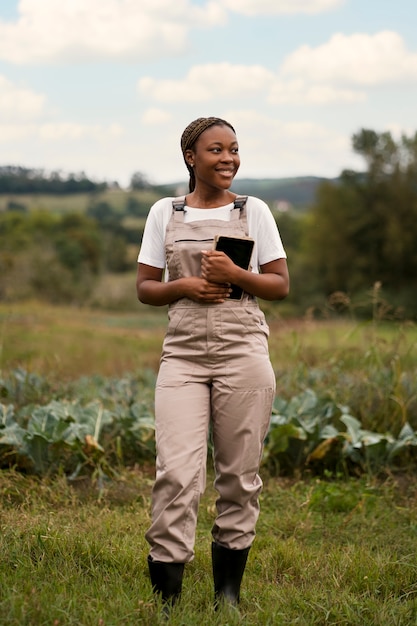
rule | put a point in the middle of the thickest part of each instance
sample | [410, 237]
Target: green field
[37, 331]
[329, 549]
[65, 343]
[76, 202]
[368, 365]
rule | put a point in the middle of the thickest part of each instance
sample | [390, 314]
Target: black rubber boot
[166, 579]
[228, 568]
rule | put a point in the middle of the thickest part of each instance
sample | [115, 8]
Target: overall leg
[238, 437]
[238, 441]
[242, 400]
[181, 439]
[182, 418]
[182, 413]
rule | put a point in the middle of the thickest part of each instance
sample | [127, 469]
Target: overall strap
[239, 209]
[240, 202]
[178, 204]
[178, 209]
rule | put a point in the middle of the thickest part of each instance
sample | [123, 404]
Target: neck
[210, 200]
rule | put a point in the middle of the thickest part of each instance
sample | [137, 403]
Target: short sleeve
[263, 228]
[152, 250]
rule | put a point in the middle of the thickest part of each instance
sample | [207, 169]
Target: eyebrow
[220, 143]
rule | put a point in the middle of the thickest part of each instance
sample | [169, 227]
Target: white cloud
[299, 91]
[79, 30]
[223, 80]
[358, 59]
[272, 148]
[71, 131]
[154, 116]
[277, 7]
[56, 132]
[207, 82]
[19, 103]
[328, 74]
[15, 132]
[82, 30]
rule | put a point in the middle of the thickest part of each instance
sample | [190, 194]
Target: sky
[106, 87]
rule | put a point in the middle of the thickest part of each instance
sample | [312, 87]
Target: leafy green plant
[317, 434]
[74, 436]
[22, 387]
[97, 425]
[299, 428]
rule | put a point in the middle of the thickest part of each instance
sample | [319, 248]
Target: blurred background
[94, 96]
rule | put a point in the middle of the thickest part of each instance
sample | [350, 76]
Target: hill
[20, 181]
[298, 192]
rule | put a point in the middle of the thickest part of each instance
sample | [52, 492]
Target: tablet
[239, 249]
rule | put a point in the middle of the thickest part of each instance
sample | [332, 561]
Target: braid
[192, 133]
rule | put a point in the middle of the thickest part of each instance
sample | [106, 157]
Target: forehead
[219, 134]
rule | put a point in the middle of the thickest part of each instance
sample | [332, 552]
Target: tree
[139, 181]
[16, 179]
[364, 227]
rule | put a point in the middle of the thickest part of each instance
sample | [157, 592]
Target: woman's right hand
[151, 289]
[203, 291]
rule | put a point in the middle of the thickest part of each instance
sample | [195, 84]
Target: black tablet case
[239, 249]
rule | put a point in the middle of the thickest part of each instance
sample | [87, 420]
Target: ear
[189, 157]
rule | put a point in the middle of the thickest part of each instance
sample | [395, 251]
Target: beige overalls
[215, 368]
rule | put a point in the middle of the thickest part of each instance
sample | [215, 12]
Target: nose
[227, 156]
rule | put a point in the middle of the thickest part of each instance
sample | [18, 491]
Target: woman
[215, 367]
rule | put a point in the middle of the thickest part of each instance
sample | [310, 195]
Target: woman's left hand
[272, 283]
[217, 267]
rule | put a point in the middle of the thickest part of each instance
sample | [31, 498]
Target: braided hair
[192, 133]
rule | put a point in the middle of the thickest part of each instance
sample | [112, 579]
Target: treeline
[16, 179]
[359, 235]
[60, 257]
[361, 231]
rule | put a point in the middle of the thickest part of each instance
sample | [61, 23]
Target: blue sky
[107, 86]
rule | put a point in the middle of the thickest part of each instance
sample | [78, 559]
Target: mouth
[226, 172]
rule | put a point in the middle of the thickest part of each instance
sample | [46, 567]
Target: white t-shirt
[261, 227]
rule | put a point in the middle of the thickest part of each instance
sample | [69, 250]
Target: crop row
[97, 425]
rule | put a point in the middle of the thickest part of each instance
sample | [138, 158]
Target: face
[215, 157]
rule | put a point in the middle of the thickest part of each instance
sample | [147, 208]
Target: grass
[32, 334]
[327, 551]
[66, 343]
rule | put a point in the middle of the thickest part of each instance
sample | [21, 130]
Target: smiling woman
[213, 139]
[215, 367]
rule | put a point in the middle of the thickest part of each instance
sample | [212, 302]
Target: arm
[271, 284]
[152, 290]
